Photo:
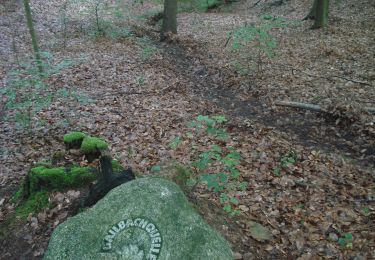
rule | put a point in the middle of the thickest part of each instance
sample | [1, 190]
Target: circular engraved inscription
[133, 238]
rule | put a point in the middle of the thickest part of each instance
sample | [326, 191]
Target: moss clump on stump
[93, 147]
[93, 144]
[41, 180]
[73, 140]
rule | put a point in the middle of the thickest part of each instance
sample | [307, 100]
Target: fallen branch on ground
[255, 3]
[312, 107]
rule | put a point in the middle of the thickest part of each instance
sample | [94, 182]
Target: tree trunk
[312, 14]
[169, 25]
[34, 39]
[321, 15]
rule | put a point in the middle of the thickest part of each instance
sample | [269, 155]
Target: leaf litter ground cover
[314, 204]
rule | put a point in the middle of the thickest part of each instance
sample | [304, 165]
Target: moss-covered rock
[93, 147]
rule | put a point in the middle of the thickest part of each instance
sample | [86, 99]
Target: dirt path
[308, 129]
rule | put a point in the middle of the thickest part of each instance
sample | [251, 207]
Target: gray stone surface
[148, 218]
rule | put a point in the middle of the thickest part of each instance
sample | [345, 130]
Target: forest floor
[310, 175]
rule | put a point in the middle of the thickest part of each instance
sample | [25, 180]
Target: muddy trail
[312, 130]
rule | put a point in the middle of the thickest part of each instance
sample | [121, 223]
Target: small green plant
[285, 161]
[346, 240]
[225, 182]
[248, 38]
[217, 165]
[209, 124]
[141, 81]
[366, 212]
[175, 143]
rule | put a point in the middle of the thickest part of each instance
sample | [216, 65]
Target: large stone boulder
[148, 218]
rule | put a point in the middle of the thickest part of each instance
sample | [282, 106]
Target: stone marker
[148, 218]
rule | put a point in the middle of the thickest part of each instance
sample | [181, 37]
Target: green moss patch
[58, 178]
[41, 180]
[74, 136]
[93, 144]
[35, 203]
[116, 166]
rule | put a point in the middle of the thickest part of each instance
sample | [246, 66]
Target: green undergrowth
[216, 163]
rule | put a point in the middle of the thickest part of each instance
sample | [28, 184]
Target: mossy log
[42, 178]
